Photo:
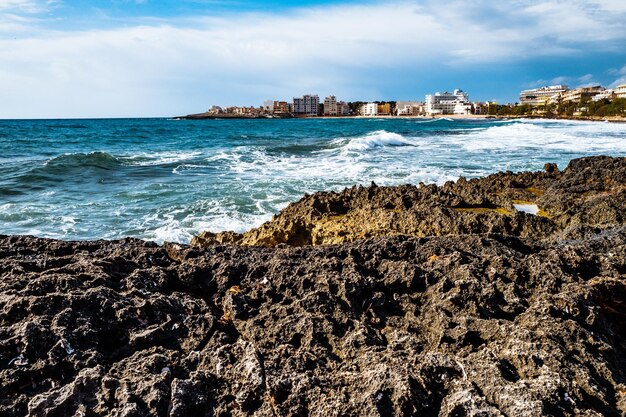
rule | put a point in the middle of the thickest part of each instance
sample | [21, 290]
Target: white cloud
[621, 74]
[26, 6]
[153, 69]
[615, 6]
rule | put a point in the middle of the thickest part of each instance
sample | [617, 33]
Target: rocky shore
[375, 301]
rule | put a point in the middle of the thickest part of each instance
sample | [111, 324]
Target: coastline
[418, 299]
[208, 116]
[611, 119]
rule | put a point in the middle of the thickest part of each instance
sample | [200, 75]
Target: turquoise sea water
[163, 179]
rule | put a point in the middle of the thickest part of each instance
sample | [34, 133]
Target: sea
[167, 179]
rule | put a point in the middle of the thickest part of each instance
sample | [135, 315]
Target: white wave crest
[163, 158]
[582, 137]
[377, 139]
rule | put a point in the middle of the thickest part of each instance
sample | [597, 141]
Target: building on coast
[244, 111]
[620, 91]
[384, 109]
[369, 109]
[410, 108]
[544, 95]
[215, 110]
[343, 109]
[480, 108]
[578, 94]
[607, 94]
[307, 105]
[463, 108]
[456, 102]
[281, 107]
[330, 106]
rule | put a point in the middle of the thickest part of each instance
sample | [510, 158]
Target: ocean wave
[100, 160]
[162, 158]
[587, 138]
[377, 139]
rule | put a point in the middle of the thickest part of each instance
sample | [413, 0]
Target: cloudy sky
[127, 58]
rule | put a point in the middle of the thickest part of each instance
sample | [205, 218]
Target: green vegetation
[602, 108]
[584, 108]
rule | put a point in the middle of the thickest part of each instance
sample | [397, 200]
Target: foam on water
[163, 158]
[166, 181]
[583, 137]
[377, 139]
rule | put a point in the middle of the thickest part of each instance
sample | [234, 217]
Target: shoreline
[202, 116]
[414, 295]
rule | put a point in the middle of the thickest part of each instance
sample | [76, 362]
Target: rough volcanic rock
[483, 324]
[589, 191]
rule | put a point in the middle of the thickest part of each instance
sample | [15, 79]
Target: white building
[446, 103]
[369, 109]
[307, 105]
[542, 95]
[606, 94]
[620, 91]
[268, 105]
[410, 108]
[330, 106]
[463, 107]
[581, 93]
[480, 108]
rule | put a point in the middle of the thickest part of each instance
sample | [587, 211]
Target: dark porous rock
[590, 191]
[501, 315]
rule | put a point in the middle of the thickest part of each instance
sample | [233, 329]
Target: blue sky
[126, 58]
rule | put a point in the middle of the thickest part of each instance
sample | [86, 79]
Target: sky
[144, 58]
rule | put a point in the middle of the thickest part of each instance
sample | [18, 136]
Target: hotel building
[578, 94]
[456, 102]
[543, 95]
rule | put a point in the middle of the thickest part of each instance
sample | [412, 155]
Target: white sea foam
[175, 226]
[588, 137]
[373, 140]
[151, 159]
[377, 139]
[189, 169]
[241, 185]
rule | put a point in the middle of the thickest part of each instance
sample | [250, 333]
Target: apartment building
[343, 109]
[281, 107]
[410, 108]
[330, 106]
[307, 105]
[369, 109]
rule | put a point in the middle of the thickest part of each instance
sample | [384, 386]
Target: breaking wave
[377, 139]
[187, 177]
